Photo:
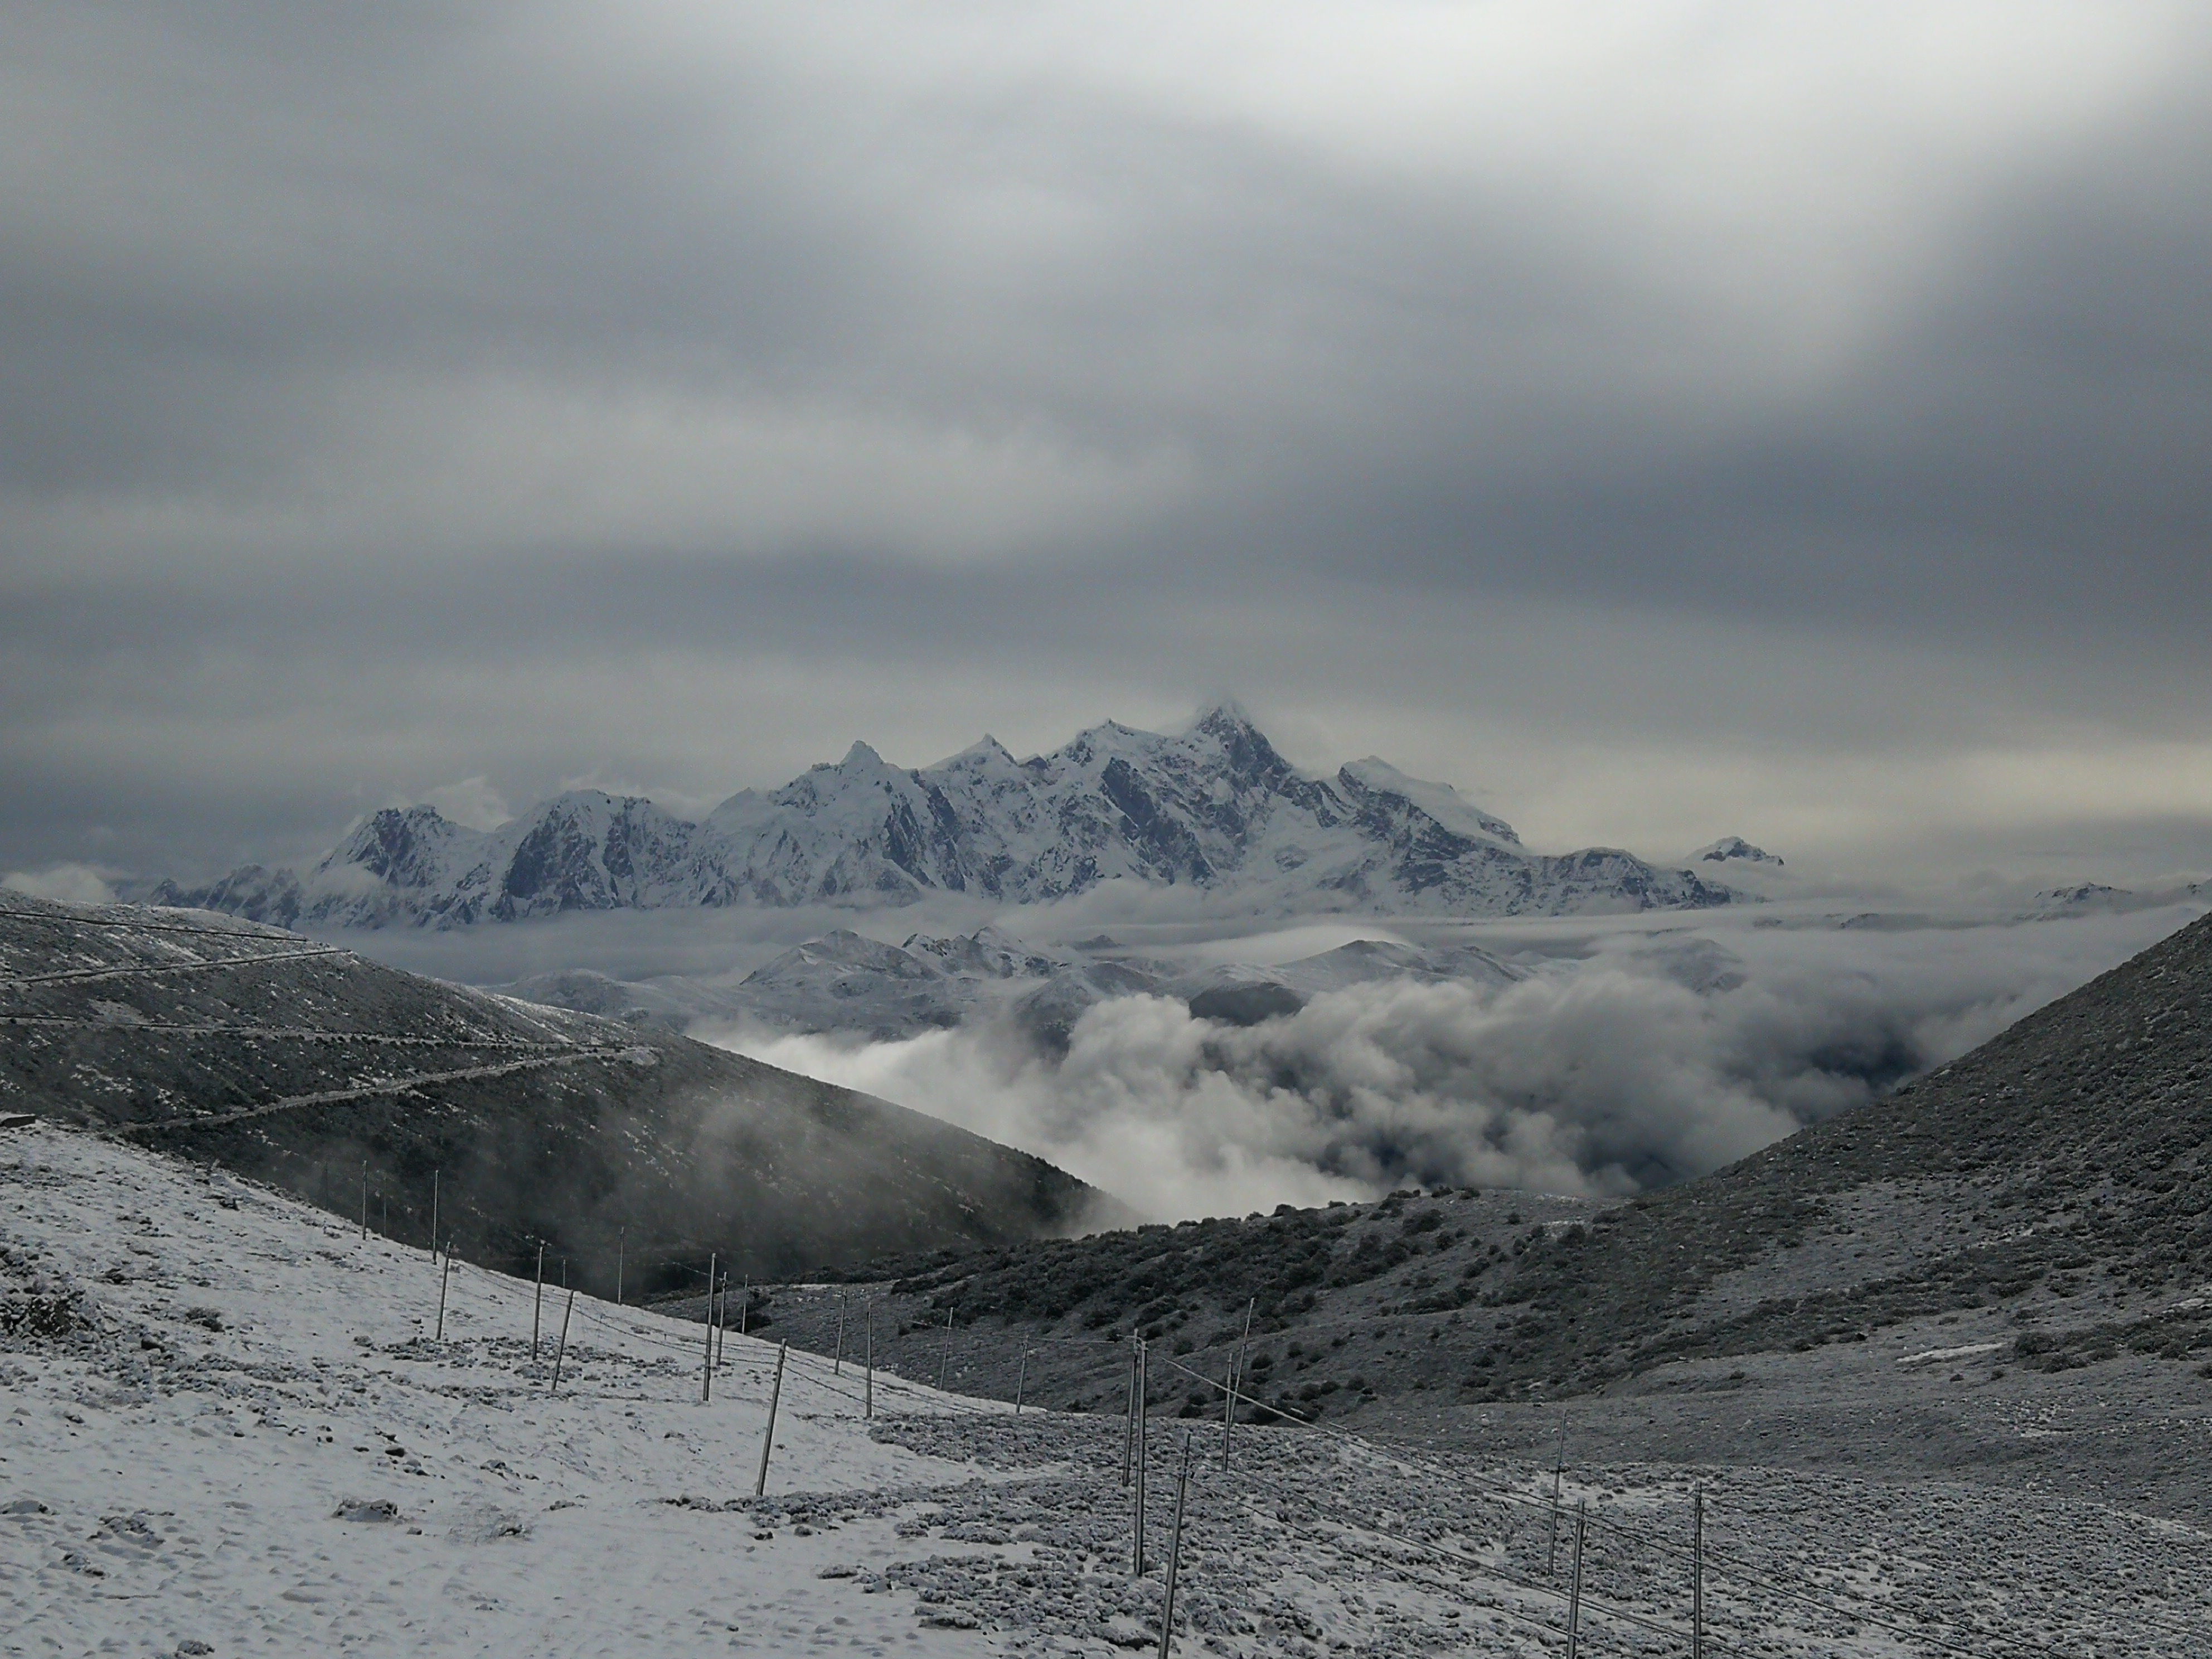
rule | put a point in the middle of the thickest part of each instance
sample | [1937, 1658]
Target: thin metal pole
[944, 1355]
[1698, 1575]
[722, 1325]
[1021, 1382]
[1575, 1590]
[434, 1215]
[774, 1396]
[868, 1387]
[707, 1367]
[560, 1352]
[1143, 1354]
[364, 1202]
[444, 1275]
[622, 1249]
[837, 1365]
[1551, 1538]
[1175, 1549]
[745, 1303]
[537, 1307]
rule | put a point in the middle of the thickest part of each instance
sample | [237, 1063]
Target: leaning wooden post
[745, 1303]
[868, 1338]
[1698, 1575]
[774, 1396]
[444, 1276]
[837, 1364]
[364, 1202]
[622, 1249]
[1575, 1589]
[560, 1352]
[537, 1307]
[1139, 1552]
[1021, 1382]
[434, 1215]
[1175, 1549]
[944, 1355]
[1228, 1410]
[707, 1366]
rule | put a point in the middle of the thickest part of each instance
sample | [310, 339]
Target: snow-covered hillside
[233, 1426]
[1214, 811]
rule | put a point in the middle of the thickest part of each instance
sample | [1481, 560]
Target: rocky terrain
[234, 1424]
[1949, 1278]
[1216, 812]
[340, 1080]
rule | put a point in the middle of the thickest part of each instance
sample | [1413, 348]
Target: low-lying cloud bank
[1646, 1064]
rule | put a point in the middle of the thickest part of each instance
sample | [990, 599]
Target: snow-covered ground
[229, 1429]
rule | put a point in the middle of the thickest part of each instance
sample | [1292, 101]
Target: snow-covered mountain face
[1215, 811]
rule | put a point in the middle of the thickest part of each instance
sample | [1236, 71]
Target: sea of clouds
[1644, 1062]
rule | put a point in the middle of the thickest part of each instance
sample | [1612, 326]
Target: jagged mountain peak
[1733, 849]
[1217, 810]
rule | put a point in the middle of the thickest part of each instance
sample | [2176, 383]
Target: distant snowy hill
[1215, 811]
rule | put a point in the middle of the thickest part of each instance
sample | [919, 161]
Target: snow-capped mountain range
[1216, 811]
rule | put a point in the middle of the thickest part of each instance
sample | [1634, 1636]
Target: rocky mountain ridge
[1215, 811]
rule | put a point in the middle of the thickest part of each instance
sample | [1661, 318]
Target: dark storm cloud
[395, 396]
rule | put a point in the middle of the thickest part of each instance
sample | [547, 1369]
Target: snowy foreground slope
[229, 1430]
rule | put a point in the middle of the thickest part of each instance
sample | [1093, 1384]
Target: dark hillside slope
[2048, 1198]
[2062, 1168]
[300, 1063]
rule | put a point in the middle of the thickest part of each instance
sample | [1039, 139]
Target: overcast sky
[1659, 420]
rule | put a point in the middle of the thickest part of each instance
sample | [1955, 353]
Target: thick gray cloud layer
[1662, 419]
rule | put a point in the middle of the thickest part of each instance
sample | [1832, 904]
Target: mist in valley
[1651, 1059]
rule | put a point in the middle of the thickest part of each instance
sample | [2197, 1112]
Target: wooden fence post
[767, 1439]
[560, 1352]
[1575, 1590]
[537, 1306]
[707, 1365]
[1021, 1381]
[1235, 1379]
[444, 1275]
[1175, 1549]
[1698, 1575]
[1552, 1536]
[1139, 1553]
[1129, 1417]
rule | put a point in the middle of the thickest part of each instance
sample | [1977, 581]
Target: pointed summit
[1226, 718]
[860, 755]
